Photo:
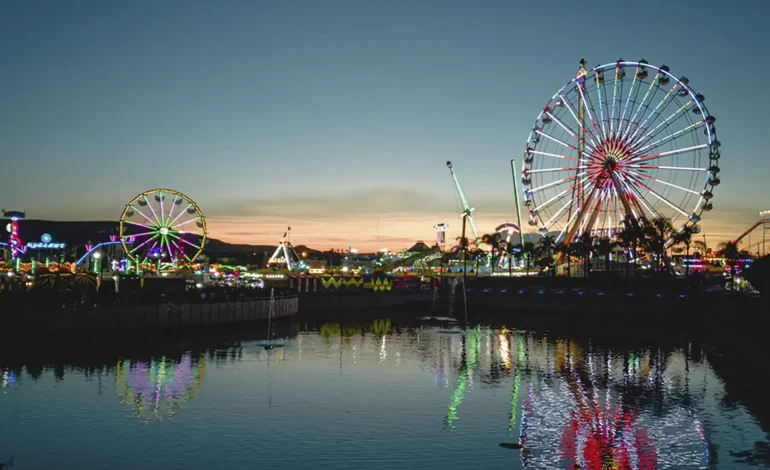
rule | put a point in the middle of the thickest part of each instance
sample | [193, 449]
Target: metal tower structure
[467, 210]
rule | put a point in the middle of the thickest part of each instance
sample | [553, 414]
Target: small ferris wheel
[624, 139]
[162, 225]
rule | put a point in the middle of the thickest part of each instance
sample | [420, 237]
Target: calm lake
[376, 396]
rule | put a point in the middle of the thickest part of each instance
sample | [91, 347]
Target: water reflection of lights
[504, 350]
[383, 349]
[9, 378]
[604, 421]
[465, 378]
[157, 388]
[575, 408]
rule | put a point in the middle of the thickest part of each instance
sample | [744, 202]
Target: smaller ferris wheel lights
[162, 224]
[764, 213]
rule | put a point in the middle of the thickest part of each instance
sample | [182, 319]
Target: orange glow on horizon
[397, 232]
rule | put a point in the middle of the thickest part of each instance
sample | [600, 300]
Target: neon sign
[46, 243]
[14, 239]
[46, 246]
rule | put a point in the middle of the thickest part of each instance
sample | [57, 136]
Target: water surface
[378, 396]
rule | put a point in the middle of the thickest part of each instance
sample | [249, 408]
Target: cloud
[367, 219]
[334, 205]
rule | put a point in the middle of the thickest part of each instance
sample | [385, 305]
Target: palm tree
[546, 247]
[463, 247]
[758, 274]
[700, 247]
[657, 232]
[548, 243]
[566, 250]
[730, 252]
[629, 237]
[508, 247]
[477, 253]
[684, 237]
[527, 251]
[493, 240]
[604, 247]
[583, 247]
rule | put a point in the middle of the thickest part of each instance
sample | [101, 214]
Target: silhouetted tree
[758, 274]
[657, 232]
[684, 237]
[730, 252]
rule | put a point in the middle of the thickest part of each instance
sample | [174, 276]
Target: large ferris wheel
[621, 139]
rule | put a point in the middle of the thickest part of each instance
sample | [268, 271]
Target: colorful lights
[157, 388]
[14, 240]
[626, 153]
[159, 229]
[46, 246]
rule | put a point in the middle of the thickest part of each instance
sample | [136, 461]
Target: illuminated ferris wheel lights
[163, 228]
[611, 142]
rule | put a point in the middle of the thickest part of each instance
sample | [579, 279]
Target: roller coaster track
[751, 229]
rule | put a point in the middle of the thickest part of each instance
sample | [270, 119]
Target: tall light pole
[516, 201]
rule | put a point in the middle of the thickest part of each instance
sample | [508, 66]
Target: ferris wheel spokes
[602, 107]
[625, 108]
[587, 105]
[639, 107]
[581, 125]
[635, 148]
[158, 230]
[570, 131]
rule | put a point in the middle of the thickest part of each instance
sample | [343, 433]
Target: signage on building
[46, 243]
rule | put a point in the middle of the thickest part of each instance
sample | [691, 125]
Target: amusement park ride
[626, 139]
[622, 139]
[285, 257]
[163, 228]
[764, 222]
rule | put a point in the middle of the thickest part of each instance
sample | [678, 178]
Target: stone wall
[125, 317]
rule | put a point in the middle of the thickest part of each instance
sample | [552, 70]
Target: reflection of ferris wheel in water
[156, 388]
[162, 225]
[622, 139]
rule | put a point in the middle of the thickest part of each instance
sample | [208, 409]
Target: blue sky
[337, 117]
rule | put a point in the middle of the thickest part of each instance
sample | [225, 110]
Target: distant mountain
[75, 233]
[71, 233]
[79, 233]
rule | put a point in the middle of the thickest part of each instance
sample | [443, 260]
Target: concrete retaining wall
[124, 317]
[367, 300]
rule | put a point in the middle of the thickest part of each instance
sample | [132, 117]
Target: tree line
[638, 237]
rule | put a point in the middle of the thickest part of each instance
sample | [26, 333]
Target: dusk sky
[337, 117]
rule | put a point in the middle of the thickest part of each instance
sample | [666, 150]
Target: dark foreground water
[378, 397]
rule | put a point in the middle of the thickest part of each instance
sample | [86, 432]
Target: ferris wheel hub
[164, 231]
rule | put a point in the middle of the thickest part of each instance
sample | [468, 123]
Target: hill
[75, 233]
